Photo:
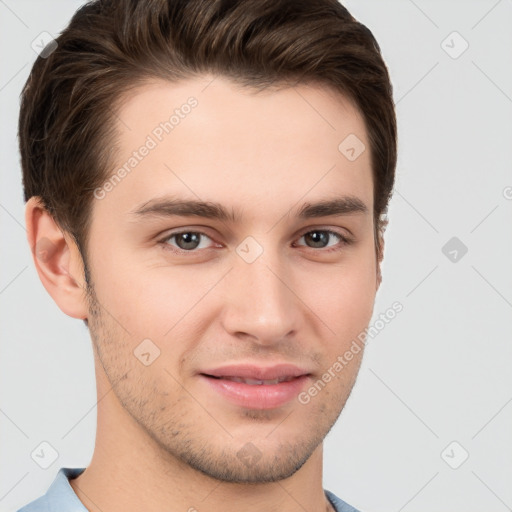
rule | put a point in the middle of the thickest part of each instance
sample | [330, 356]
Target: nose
[260, 302]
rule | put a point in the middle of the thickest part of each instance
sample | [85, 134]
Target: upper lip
[251, 371]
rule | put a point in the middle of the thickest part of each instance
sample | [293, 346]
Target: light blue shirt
[61, 497]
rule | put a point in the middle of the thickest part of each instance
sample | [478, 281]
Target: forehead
[210, 139]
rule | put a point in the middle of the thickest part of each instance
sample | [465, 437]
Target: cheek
[343, 296]
[127, 296]
[152, 302]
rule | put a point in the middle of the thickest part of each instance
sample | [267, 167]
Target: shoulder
[59, 495]
[338, 503]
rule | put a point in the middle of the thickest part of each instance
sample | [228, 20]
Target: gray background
[438, 373]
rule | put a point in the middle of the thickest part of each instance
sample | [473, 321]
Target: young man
[206, 187]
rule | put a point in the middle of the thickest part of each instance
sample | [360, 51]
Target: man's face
[187, 326]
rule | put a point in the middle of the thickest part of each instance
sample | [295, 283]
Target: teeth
[258, 382]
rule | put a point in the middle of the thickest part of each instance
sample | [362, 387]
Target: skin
[165, 440]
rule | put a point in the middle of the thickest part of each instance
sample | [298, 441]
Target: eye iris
[189, 238]
[316, 236]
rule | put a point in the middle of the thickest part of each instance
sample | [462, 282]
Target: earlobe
[57, 260]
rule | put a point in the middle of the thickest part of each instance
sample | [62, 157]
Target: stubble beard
[176, 435]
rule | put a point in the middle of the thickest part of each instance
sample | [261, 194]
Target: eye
[186, 241]
[319, 238]
[192, 241]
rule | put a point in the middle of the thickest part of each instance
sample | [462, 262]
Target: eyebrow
[169, 206]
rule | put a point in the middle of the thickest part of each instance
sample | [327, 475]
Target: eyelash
[344, 241]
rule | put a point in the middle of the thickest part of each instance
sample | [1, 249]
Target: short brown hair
[68, 104]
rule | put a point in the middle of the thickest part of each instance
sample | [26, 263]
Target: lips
[256, 387]
[256, 382]
[254, 372]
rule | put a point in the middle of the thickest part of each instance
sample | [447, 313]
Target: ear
[379, 261]
[379, 249]
[57, 260]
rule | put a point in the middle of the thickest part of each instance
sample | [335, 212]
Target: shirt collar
[61, 494]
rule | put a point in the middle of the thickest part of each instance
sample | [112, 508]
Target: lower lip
[257, 396]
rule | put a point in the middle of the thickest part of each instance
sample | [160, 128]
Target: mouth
[256, 387]
[254, 382]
